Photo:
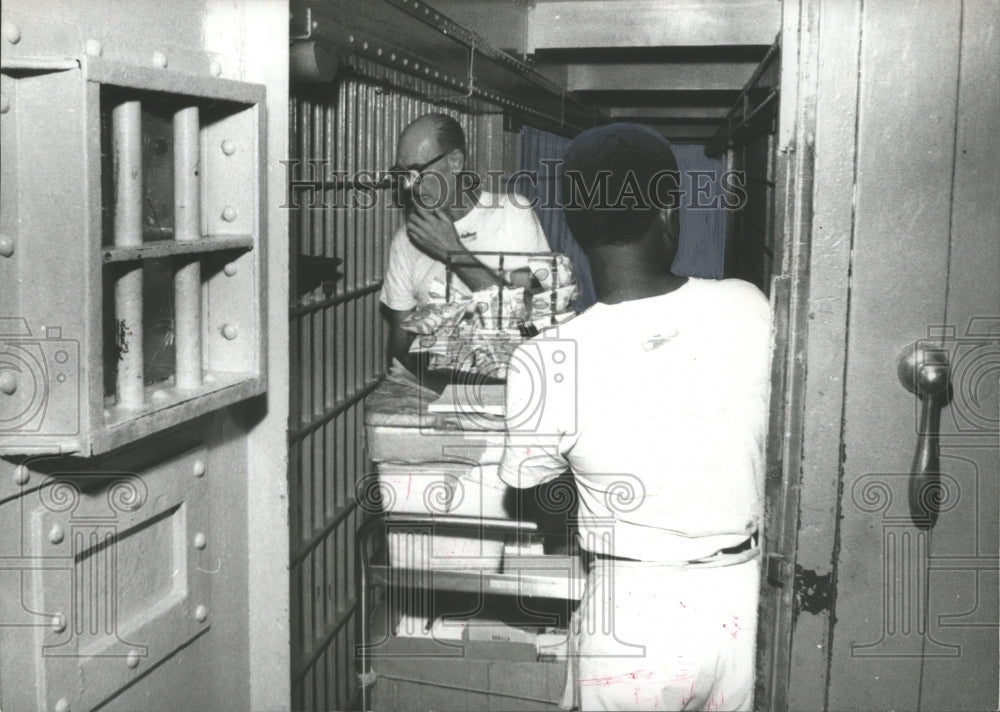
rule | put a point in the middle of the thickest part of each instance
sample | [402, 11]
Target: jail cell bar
[338, 357]
[126, 119]
[187, 226]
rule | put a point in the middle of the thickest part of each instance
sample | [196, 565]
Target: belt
[750, 543]
[746, 545]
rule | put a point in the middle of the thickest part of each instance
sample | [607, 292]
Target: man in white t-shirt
[655, 399]
[449, 215]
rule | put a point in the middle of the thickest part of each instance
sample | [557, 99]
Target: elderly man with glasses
[449, 216]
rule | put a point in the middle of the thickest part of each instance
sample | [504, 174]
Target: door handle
[925, 371]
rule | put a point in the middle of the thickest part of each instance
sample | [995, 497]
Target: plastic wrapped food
[437, 291]
[491, 314]
[553, 271]
[541, 304]
[430, 318]
[478, 332]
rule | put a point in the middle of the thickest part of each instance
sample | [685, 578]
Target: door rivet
[56, 534]
[229, 147]
[159, 60]
[199, 541]
[21, 475]
[230, 269]
[8, 382]
[4, 104]
[62, 705]
[229, 213]
[198, 468]
[93, 48]
[59, 622]
[230, 331]
[201, 614]
[132, 659]
[11, 32]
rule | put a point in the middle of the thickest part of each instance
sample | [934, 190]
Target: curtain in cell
[542, 153]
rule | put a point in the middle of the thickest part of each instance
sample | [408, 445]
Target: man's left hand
[433, 232]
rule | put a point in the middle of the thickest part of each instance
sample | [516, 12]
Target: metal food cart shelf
[529, 576]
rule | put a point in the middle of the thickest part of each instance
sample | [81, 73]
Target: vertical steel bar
[349, 569]
[187, 226]
[306, 216]
[333, 566]
[330, 250]
[380, 164]
[306, 458]
[342, 456]
[350, 136]
[330, 663]
[309, 694]
[295, 492]
[316, 376]
[361, 163]
[319, 594]
[330, 440]
[363, 240]
[126, 121]
[371, 236]
[340, 242]
[340, 168]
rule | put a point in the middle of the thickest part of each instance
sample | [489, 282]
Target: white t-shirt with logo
[659, 407]
[495, 224]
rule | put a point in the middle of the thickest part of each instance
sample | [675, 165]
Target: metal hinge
[778, 569]
[306, 28]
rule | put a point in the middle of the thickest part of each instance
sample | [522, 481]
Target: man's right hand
[399, 338]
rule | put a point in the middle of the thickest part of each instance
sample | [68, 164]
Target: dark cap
[620, 147]
[615, 177]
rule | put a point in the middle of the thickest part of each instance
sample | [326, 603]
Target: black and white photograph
[499, 355]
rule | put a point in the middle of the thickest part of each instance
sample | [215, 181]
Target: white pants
[666, 637]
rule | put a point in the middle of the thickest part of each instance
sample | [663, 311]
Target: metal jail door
[916, 563]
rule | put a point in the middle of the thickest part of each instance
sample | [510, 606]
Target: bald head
[432, 133]
[433, 148]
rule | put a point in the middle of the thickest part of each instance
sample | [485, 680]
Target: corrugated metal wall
[337, 357]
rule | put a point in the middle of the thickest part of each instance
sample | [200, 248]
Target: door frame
[809, 299]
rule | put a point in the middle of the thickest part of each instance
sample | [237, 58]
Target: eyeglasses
[409, 175]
